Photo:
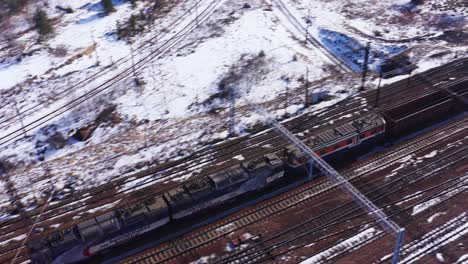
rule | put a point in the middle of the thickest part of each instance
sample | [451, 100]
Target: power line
[49, 199]
[141, 48]
[109, 83]
[341, 181]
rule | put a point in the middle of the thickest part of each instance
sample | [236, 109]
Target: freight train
[101, 233]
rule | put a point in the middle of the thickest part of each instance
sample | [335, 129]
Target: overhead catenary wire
[33, 226]
[108, 84]
[338, 178]
[325, 168]
[148, 44]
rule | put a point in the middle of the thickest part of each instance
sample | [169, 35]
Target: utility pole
[287, 95]
[311, 169]
[307, 88]
[18, 113]
[409, 78]
[308, 22]
[232, 111]
[365, 66]
[338, 179]
[95, 49]
[133, 64]
[377, 97]
[196, 12]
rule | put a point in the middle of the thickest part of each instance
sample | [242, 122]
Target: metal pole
[377, 97]
[329, 171]
[196, 12]
[409, 79]
[18, 113]
[365, 66]
[287, 95]
[95, 49]
[399, 241]
[308, 22]
[311, 169]
[133, 64]
[307, 88]
[286, 101]
[232, 111]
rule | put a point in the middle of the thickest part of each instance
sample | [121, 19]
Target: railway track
[455, 191]
[310, 39]
[302, 194]
[122, 76]
[304, 119]
[272, 247]
[143, 47]
[432, 240]
[334, 252]
[340, 252]
[60, 210]
[198, 157]
[204, 14]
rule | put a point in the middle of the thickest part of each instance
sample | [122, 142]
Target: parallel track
[377, 194]
[122, 76]
[58, 211]
[147, 44]
[303, 194]
[310, 39]
[343, 251]
[298, 123]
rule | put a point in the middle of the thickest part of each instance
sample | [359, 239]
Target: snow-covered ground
[352, 242]
[431, 242]
[180, 107]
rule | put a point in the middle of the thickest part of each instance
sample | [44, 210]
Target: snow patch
[431, 218]
[204, 260]
[336, 249]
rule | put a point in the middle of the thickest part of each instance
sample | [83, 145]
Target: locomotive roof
[347, 129]
[269, 160]
[90, 211]
[228, 176]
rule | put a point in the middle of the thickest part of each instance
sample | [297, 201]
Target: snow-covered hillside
[185, 56]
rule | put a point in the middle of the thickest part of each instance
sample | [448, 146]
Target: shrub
[6, 166]
[57, 140]
[67, 9]
[108, 6]
[42, 23]
[417, 2]
[15, 6]
[131, 28]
